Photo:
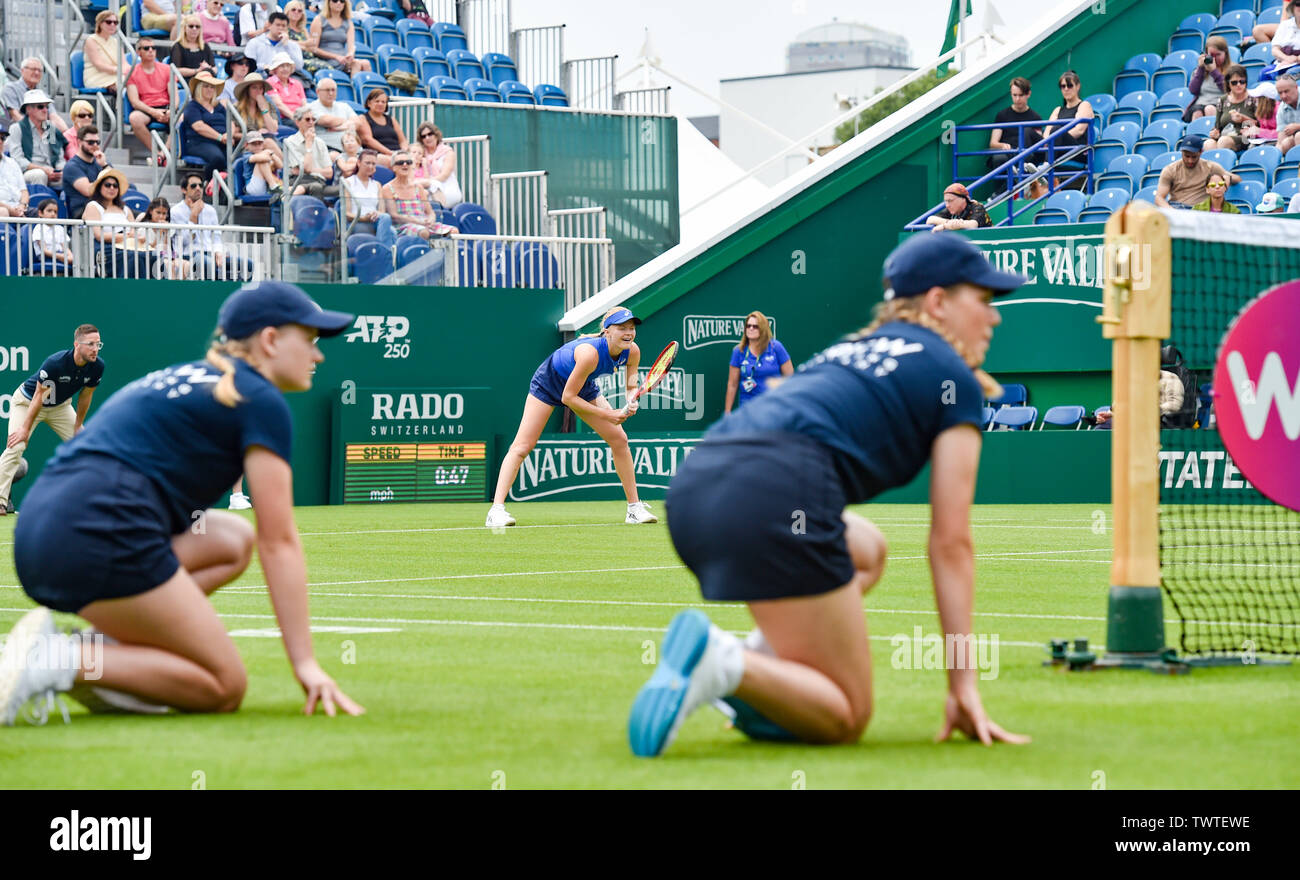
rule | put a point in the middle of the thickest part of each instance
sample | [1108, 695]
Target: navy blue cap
[1192, 144]
[273, 304]
[619, 317]
[939, 259]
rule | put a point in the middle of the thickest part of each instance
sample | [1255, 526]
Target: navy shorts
[92, 528]
[548, 387]
[760, 517]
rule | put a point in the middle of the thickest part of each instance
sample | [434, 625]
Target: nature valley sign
[570, 467]
[701, 330]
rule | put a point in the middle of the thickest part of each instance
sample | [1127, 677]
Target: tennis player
[568, 378]
[117, 528]
[863, 416]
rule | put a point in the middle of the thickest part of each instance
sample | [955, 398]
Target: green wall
[440, 337]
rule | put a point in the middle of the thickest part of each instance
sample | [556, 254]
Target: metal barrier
[589, 82]
[520, 199]
[133, 249]
[538, 53]
[441, 10]
[170, 148]
[486, 24]
[643, 100]
[578, 222]
[474, 168]
[581, 267]
[45, 30]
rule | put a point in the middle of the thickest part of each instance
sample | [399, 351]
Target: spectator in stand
[1214, 201]
[1288, 113]
[1267, 30]
[1233, 112]
[82, 114]
[300, 32]
[1072, 107]
[346, 161]
[1263, 128]
[1014, 138]
[163, 245]
[104, 53]
[1271, 204]
[122, 257]
[159, 15]
[308, 161]
[148, 92]
[255, 109]
[82, 170]
[12, 94]
[203, 248]
[216, 29]
[37, 145]
[263, 166]
[189, 53]
[333, 117]
[334, 37]
[378, 131]
[283, 90]
[1209, 81]
[255, 19]
[436, 167]
[237, 67]
[1286, 41]
[203, 129]
[362, 195]
[50, 241]
[408, 203]
[959, 211]
[1183, 183]
[13, 189]
[416, 9]
[264, 49]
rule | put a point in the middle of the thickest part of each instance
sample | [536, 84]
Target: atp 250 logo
[390, 331]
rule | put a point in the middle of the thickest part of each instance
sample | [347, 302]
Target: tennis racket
[657, 372]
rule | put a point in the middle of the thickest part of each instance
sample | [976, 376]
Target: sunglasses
[427, 134]
[110, 21]
[147, 48]
[194, 186]
[751, 326]
[1068, 85]
[83, 116]
[400, 162]
[1215, 185]
[91, 143]
[1236, 82]
[113, 183]
[193, 27]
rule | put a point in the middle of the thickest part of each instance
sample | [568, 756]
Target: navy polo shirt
[76, 169]
[877, 401]
[61, 374]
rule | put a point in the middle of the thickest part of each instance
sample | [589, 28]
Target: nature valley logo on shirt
[701, 330]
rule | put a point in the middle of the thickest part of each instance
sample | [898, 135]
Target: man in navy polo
[63, 374]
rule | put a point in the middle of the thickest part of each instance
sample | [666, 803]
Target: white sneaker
[498, 518]
[637, 513]
[239, 501]
[38, 662]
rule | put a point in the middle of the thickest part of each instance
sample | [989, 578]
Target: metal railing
[581, 267]
[520, 199]
[589, 82]
[134, 249]
[441, 10]
[486, 24]
[45, 30]
[170, 147]
[643, 100]
[578, 222]
[474, 168]
[538, 53]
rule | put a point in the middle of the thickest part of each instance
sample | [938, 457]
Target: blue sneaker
[688, 675]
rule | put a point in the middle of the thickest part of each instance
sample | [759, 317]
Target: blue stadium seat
[314, 224]
[1102, 105]
[1151, 177]
[496, 264]
[137, 201]
[1116, 139]
[1259, 163]
[472, 219]
[432, 63]
[1064, 417]
[449, 36]
[1287, 189]
[28, 264]
[1290, 166]
[1146, 194]
[480, 89]
[500, 68]
[1013, 394]
[516, 93]
[415, 34]
[1175, 70]
[1246, 195]
[1102, 204]
[448, 88]
[393, 58]
[535, 267]
[137, 30]
[363, 82]
[1158, 137]
[1200, 126]
[1226, 6]
[342, 80]
[238, 172]
[986, 419]
[548, 95]
[1255, 59]
[465, 65]
[380, 32]
[1191, 32]
[1234, 26]
[1134, 107]
[1014, 418]
[370, 262]
[1136, 74]
[1226, 159]
[1123, 173]
[383, 175]
[428, 263]
[389, 9]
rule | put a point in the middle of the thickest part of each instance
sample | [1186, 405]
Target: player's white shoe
[637, 513]
[37, 661]
[498, 517]
[239, 501]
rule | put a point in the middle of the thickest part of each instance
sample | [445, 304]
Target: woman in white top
[117, 249]
[437, 168]
[1286, 42]
[362, 194]
[104, 53]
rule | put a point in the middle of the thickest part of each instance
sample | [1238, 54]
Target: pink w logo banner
[1257, 393]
